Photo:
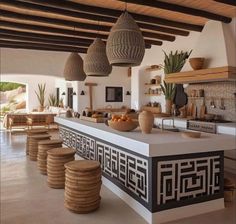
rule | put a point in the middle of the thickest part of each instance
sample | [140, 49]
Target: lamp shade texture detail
[125, 44]
[96, 62]
[74, 70]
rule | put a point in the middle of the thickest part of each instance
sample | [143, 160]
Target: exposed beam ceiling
[76, 14]
[181, 9]
[114, 13]
[51, 42]
[73, 35]
[227, 2]
[37, 46]
[47, 22]
[72, 25]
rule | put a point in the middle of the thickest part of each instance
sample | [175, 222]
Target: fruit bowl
[196, 63]
[123, 125]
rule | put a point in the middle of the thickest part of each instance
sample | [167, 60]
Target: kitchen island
[161, 175]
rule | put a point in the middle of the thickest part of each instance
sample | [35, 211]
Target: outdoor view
[12, 97]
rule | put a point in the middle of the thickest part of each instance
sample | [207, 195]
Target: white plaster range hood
[217, 44]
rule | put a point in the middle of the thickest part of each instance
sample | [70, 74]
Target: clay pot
[196, 63]
[146, 121]
[40, 108]
[168, 106]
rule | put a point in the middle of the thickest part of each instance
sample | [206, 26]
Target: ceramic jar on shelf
[146, 121]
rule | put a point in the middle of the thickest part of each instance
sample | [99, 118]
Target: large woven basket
[123, 125]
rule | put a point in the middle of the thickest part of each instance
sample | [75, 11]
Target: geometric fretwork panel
[122, 167]
[183, 179]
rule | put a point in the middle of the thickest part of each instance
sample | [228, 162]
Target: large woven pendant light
[96, 62]
[125, 44]
[74, 70]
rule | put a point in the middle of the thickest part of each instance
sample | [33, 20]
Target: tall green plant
[52, 100]
[41, 94]
[173, 62]
[169, 90]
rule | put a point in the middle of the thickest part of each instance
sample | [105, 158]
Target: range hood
[217, 44]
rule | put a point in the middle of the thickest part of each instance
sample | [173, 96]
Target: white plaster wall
[20, 61]
[32, 82]
[33, 67]
[118, 77]
[155, 56]
[207, 44]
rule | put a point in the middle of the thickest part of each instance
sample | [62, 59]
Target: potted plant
[169, 91]
[52, 100]
[173, 62]
[41, 96]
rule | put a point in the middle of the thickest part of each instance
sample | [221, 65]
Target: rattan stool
[33, 132]
[43, 147]
[33, 145]
[55, 165]
[82, 186]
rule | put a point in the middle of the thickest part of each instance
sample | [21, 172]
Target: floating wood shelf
[153, 85]
[152, 94]
[225, 73]
[153, 68]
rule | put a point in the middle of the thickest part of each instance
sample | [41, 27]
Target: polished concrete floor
[26, 198]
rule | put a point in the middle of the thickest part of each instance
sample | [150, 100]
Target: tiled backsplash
[214, 92]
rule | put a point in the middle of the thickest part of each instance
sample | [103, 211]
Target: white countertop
[158, 143]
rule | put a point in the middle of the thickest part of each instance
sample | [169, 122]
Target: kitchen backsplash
[214, 94]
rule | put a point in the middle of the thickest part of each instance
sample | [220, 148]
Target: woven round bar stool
[82, 186]
[43, 147]
[33, 132]
[56, 160]
[33, 145]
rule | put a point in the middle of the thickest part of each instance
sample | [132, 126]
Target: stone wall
[214, 92]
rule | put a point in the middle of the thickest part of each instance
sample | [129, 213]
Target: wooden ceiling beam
[38, 40]
[36, 46]
[70, 24]
[52, 42]
[75, 14]
[180, 9]
[58, 38]
[77, 7]
[227, 2]
[75, 32]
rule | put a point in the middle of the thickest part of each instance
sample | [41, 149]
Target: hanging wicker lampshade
[125, 44]
[96, 62]
[74, 70]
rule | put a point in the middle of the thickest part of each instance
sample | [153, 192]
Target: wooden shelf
[152, 94]
[225, 73]
[152, 85]
[153, 68]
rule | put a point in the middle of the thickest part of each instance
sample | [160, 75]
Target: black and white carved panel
[123, 168]
[158, 183]
[183, 180]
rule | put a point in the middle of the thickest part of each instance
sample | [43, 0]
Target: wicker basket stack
[33, 132]
[43, 147]
[82, 186]
[33, 145]
[56, 159]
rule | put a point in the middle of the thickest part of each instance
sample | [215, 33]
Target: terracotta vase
[146, 120]
[40, 108]
[168, 106]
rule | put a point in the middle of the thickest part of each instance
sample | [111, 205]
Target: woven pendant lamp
[96, 62]
[74, 70]
[125, 44]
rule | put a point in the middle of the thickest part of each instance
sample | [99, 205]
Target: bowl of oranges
[122, 123]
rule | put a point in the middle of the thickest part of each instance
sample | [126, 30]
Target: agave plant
[169, 90]
[174, 62]
[52, 100]
[41, 94]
